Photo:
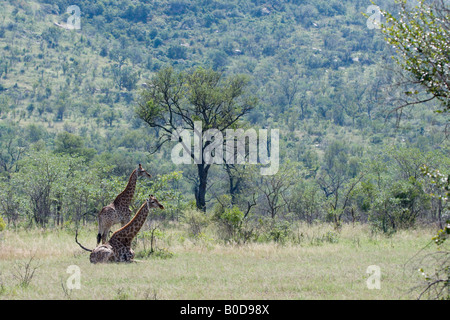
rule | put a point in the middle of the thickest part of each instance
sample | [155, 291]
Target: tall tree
[175, 100]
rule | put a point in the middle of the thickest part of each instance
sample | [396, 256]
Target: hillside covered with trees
[71, 133]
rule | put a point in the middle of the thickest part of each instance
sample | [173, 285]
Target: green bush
[149, 241]
[276, 230]
[2, 224]
[195, 220]
[230, 223]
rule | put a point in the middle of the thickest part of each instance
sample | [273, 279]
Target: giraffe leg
[102, 232]
[105, 235]
[127, 255]
[106, 229]
[106, 219]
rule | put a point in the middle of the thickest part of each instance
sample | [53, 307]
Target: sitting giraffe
[119, 211]
[118, 248]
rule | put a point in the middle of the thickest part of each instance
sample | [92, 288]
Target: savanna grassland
[321, 264]
[363, 175]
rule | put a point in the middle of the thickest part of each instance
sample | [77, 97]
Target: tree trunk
[200, 189]
[440, 213]
[234, 184]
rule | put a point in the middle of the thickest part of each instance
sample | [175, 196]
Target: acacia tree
[12, 148]
[175, 100]
[275, 189]
[43, 179]
[338, 177]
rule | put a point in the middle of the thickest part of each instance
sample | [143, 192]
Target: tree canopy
[420, 36]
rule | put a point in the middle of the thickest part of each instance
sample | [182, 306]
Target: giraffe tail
[101, 228]
[76, 240]
[100, 232]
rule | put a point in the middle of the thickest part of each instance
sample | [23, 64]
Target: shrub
[230, 222]
[398, 206]
[24, 272]
[149, 238]
[328, 237]
[195, 220]
[276, 230]
[2, 224]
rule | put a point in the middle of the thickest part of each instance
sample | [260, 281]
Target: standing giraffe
[119, 211]
[118, 248]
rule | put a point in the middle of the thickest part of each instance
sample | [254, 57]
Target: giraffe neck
[125, 197]
[131, 229]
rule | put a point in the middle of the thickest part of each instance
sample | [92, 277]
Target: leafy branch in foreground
[420, 36]
[437, 284]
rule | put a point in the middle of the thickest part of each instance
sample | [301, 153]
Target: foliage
[276, 230]
[163, 187]
[55, 186]
[420, 37]
[442, 182]
[231, 221]
[175, 101]
[72, 144]
[437, 282]
[196, 221]
[152, 235]
[2, 224]
[398, 194]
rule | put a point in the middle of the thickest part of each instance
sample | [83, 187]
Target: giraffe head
[140, 172]
[153, 203]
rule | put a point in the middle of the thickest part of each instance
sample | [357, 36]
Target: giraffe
[118, 248]
[119, 211]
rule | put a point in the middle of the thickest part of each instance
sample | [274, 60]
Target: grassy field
[317, 267]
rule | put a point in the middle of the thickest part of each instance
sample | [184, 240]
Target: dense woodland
[70, 133]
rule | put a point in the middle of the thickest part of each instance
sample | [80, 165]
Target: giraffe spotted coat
[119, 211]
[118, 248]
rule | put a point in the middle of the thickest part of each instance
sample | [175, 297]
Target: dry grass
[206, 269]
